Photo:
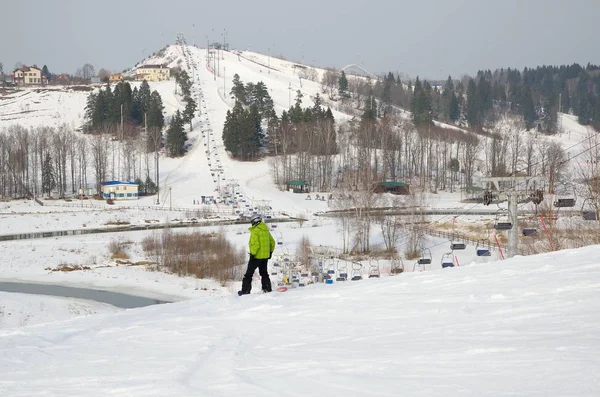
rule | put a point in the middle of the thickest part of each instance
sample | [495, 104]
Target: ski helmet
[256, 219]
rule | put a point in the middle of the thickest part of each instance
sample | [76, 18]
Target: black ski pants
[253, 264]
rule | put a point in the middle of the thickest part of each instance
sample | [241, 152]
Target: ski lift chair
[342, 268]
[331, 266]
[448, 260]
[356, 271]
[502, 225]
[425, 258]
[374, 268]
[481, 249]
[529, 232]
[588, 214]
[457, 246]
[565, 200]
[396, 265]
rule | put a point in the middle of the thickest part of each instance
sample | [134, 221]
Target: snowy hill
[525, 326]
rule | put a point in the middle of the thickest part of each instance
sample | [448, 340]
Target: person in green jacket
[262, 245]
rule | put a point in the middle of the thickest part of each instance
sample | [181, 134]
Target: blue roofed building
[118, 190]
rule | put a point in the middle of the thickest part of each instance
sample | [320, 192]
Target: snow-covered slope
[18, 310]
[525, 326]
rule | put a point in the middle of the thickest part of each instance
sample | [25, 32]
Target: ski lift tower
[516, 189]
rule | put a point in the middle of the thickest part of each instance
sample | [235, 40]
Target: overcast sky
[430, 38]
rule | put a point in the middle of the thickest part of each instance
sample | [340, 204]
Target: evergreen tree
[48, 175]
[232, 129]
[184, 81]
[190, 110]
[454, 109]
[46, 72]
[238, 91]
[141, 185]
[299, 96]
[421, 104]
[370, 112]
[143, 97]
[150, 186]
[343, 85]
[472, 105]
[529, 114]
[154, 111]
[176, 136]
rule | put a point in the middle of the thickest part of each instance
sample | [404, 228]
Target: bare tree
[329, 82]
[589, 172]
[104, 74]
[87, 71]
[99, 151]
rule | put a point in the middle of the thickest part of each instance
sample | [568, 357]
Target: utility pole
[513, 218]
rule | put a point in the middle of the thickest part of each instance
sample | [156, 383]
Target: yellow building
[115, 77]
[117, 190]
[152, 73]
[29, 75]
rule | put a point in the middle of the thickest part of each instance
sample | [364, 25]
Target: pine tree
[150, 186]
[238, 91]
[176, 136]
[421, 104]
[141, 185]
[472, 105]
[529, 114]
[454, 110]
[46, 72]
[230, 130]
[154, 111]
[48, 176]
[343, 85]
[190, 110]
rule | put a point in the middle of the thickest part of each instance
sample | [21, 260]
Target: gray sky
[430, 38]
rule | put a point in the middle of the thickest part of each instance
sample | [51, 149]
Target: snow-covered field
[18, 310]
[524, 326]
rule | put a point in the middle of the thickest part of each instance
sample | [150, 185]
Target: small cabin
[391, 187]
[118, 190]
[298, 186]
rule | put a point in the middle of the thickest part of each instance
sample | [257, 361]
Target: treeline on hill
[533, 94]
[123, 111]
[47, 161]
[303, 140]
[243, 135]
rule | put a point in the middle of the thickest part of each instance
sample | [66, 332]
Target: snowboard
[280, 289]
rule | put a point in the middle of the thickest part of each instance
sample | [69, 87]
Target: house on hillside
[118, 190]
[29, 75]
[61, 79]
[152, 73]
[391, 187]
[115, 77]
